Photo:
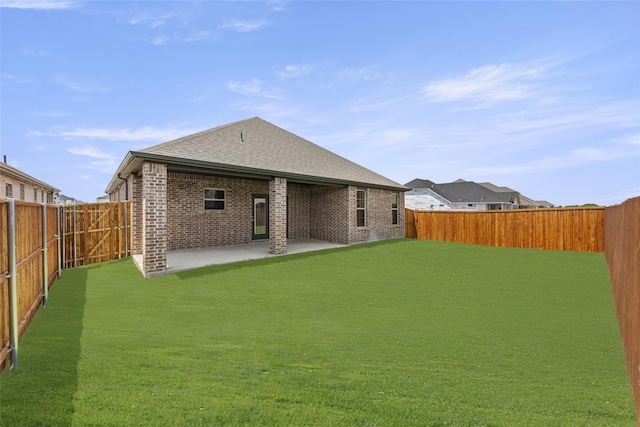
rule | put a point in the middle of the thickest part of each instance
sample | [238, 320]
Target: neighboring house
[66, 200]
[525, 202]
[18, 185]
[458, 195]
[247, 181]
[103, 199]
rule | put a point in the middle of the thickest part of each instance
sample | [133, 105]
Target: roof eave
[134, 159]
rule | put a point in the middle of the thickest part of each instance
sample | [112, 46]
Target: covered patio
[188, 259]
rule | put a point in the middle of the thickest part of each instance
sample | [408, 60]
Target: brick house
[246, 181]
[20, 186]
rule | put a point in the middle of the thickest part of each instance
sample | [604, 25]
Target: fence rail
[580, 229]
[96, 232]
[36, 242]
[622, 250]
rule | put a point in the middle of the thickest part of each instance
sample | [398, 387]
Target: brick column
[154, 217]
[278, 216]
[135, 195]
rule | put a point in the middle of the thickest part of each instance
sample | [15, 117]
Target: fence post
[58, 230]
[45, 259]
[75, 249]
[126, 231]
[13, 283]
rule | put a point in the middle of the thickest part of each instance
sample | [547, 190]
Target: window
[9, 190]
[361, 208]
[215, 199]
[394, 208]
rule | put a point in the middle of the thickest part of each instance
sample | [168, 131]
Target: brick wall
[154, 220]
[378, 216]
[314, 211]
[11, 187]
[278, 216]
[328, 214]
[298, 210]
[135, 194]
[191, 226]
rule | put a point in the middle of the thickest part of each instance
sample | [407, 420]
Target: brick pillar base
[154, 218]
[278, 216]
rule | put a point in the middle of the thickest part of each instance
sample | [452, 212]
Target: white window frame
[206, 199]
[395, 197]
[363, 208]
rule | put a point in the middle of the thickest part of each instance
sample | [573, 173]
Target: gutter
[134, 159]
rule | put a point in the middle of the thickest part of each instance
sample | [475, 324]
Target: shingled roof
[465, 191]
[254, 148]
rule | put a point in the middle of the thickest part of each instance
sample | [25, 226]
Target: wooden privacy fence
[622, 250]
[37, 241]
[29, 264]
[96, 232]
[580, 229]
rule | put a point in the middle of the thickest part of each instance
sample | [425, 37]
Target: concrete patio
[188, 259]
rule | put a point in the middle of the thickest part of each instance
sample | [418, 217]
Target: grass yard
[402, 333]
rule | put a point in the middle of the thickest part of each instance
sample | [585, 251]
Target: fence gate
[95, 232]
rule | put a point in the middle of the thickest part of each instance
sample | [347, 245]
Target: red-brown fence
[45, 239]
[622, 250]
[28, 266]
[580, 229]
[96, 232]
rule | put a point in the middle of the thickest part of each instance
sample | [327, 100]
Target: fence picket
[578, 229]
[47, 240]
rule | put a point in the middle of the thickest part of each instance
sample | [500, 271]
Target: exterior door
[260, 221]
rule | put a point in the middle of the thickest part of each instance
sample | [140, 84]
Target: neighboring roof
[255, 148]
[10, 171]
[524, 200]
[466, 192]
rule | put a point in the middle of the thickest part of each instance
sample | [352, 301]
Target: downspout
[126, 186]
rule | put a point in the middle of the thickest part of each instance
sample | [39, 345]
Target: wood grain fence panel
[95, 233]
[99, 231]
[622, 250]
[4, 285]
[29, 265]
[551, 229]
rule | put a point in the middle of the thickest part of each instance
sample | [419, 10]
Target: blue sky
[542, 97]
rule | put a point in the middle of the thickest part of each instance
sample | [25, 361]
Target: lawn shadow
[223, 268]
[41, 391]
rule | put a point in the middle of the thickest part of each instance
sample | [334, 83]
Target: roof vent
[241, 138]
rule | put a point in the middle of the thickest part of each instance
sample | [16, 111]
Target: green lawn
[401, 333]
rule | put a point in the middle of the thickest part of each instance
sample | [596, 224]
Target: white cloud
[147, 133]
[252, 87]
[486, 85]
[160, 40]
[39, 4]
[31, 52]
[291, 71]
[15, 79]
[622, 114]
[245, 26]
[152, 21]
[91, 151]
[85, 87]
[266, 109]
[277, 5]
[361, 74]
[574, 158]
[197, 35]
[104, 162]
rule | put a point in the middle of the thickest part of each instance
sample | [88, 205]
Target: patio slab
[188, 259]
